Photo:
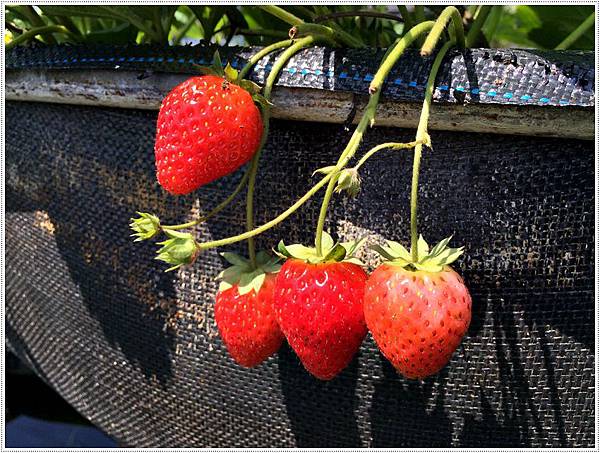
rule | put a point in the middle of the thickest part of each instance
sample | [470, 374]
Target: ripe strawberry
[244, 310]
[417, 312]
[319, 306]
[207, 128]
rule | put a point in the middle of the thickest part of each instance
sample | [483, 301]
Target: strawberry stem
[266, 114]
[420, 139]
[216, 209]
[394, 146]
[260, 55]
[433, 37]
[390, 58]
[270, 224]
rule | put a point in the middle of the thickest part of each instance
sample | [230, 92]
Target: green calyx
[242, 273]
[231, 75]
[146, 226]
[348, 179]
[332, 251]
[178, 250]
[433, 260]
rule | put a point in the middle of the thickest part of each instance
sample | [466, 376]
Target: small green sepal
[146, 226]
[231, 74]
[434, 260]
[332, 251]
[180, 249]
[242, 274]
[349, 182]
[250, 86]
[325, 170]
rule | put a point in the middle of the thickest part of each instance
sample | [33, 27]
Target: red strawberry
[319, 307]
[247, 323]
[244, 309]
[207, 128]
[417, 317]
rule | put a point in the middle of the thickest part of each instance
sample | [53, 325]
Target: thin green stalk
[41, 31]
[394, 146]
[280, 218]
[328, 34]
[282, 14]
[477, 24]
[392, 56]
[266, 114]
[261, 54]
[406, 16]
[423, 138]
[448, 13]
[577, 33]
[216, 209]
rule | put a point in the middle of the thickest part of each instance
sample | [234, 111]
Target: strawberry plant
[415, 305]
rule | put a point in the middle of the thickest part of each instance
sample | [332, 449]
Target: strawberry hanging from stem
[207, 127]
[319, 304]
[417, 311]
[244, 308]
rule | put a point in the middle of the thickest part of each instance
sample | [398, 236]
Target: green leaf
[251, 281]
[327, 241]
[337, 253]
[253, 89]
[179, 249]
[354, 260]
[231, 74]
[146, 226]
[439, 247]
[353, 246]
[302, 252]
[282, 250]
[263, 257]
[262, 101]
[383, 252]
[325, 170]
[235, 259]
[398, 250]
[422, 247]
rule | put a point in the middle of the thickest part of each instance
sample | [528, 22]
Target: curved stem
[448, 13]
[281, 14]
[396, 52]
[392, 55]
[280, 218]
[266, 114]
[328, 34]
[216, 209]
[422, 137]
[394, 146]
[45, 30]
[477, 24]
[260, 55]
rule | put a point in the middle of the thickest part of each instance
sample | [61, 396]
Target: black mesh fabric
[136, 350]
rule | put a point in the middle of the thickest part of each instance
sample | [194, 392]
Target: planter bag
[137, 351]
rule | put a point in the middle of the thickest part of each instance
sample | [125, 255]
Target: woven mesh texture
[137, 351]
[492, 76]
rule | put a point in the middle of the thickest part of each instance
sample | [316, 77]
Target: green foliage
[538, 26]
[542, 27]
